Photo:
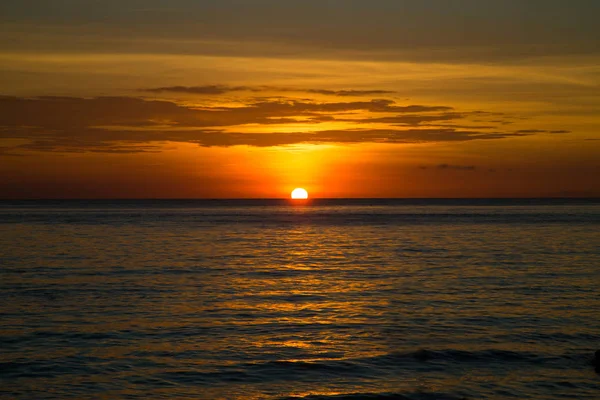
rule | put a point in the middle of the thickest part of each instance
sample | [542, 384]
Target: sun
[299, 194]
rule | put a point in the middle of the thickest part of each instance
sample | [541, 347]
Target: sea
[319, 299]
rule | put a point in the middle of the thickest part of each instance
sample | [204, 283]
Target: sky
[346, 98]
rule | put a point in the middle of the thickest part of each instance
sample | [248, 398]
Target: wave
[285, 219]
[380, 396]
[376, 366]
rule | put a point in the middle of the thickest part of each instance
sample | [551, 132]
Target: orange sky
[187, 99]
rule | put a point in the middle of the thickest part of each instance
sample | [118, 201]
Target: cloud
[398, 30]
[453, 167]
[349, 92]
[295, 107]
[124, 141]
[541, 131]
[223, 89]
[70, 112]
[65, 112]
[131, 125]
[348, 136]
[457, 167]
[413, 119]
[208, 89]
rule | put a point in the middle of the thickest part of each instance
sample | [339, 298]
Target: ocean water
[329, 299]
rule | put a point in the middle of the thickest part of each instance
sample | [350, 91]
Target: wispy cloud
[542, 131]
[207, 89]
[350, 92]
[124, 141]
[223, 89]
[128, 124]
[349, 136]
[451, 167]
[397, 30]
[414, 119]
[457, 167]
[57, 112]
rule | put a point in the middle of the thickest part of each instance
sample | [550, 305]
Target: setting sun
[299, 193]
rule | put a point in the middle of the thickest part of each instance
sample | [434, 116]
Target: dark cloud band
[127, 124]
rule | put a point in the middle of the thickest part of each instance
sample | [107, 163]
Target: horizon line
[300, 200]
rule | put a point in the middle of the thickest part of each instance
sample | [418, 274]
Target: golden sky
[346, 98]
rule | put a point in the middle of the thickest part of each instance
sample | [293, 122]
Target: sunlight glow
[299, 194]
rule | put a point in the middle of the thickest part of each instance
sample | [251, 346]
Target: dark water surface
[338, 299]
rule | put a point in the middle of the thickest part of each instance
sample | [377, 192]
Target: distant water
[332, 299]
